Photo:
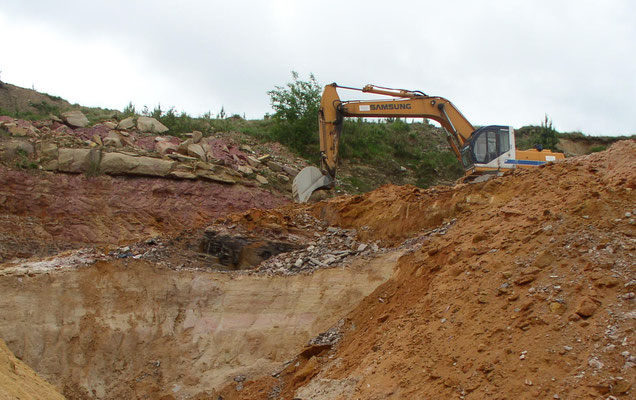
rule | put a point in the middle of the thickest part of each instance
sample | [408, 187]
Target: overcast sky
[500, 62]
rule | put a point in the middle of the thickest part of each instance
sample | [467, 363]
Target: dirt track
[519, 287]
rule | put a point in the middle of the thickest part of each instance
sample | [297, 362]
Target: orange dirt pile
[529, 293]
[18, 381]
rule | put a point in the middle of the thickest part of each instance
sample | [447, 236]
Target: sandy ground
[19, 381]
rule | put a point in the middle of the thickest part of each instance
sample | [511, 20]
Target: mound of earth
[529, 293]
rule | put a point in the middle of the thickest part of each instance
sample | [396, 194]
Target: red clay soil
[42, 213]
[529, 294]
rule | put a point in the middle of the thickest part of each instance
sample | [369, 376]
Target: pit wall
[128, 329]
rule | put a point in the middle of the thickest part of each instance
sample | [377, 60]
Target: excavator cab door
[492, 146]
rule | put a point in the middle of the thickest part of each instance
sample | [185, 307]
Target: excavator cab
[489, 148]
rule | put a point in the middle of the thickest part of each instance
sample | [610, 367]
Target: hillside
[372, 153]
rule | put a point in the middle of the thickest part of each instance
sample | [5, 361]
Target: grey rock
[165, 147]
[195, 150]
[15, 148]
[77, 161]
[262, 180]
[244, 169]
[253, 161]
[290, 171]
[126, 123]
[48, 156]
[274, 166]
[113, 139]
[123, 164]
[76, 119]
[183, 146]
[195, 136]
[148, 124]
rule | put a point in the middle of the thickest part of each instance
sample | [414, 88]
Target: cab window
[489, 143]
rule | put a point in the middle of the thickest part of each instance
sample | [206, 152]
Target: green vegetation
[296, 115]
[42, 111]
[596, 149]
[544, 136]
[23, 161]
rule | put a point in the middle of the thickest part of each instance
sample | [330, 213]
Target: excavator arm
[403, 104]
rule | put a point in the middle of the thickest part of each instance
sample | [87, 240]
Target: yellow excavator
[482, 152]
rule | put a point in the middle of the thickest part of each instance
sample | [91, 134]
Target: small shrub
[596, 149]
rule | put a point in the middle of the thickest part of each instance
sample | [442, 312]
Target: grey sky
[500, 62]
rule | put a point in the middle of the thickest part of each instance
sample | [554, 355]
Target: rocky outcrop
[64, 148]
[76, 119]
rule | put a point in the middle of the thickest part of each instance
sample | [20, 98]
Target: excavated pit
[125, 303]
[125, 328]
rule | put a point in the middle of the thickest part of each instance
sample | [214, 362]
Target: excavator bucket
[307, 181]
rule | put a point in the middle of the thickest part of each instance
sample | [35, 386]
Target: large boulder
[76, 119]
[77, 161]
[148, 124]
[15, 148]
[126, 123]
[124, 164]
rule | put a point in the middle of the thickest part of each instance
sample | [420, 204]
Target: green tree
[547, 135]
[296, 114]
